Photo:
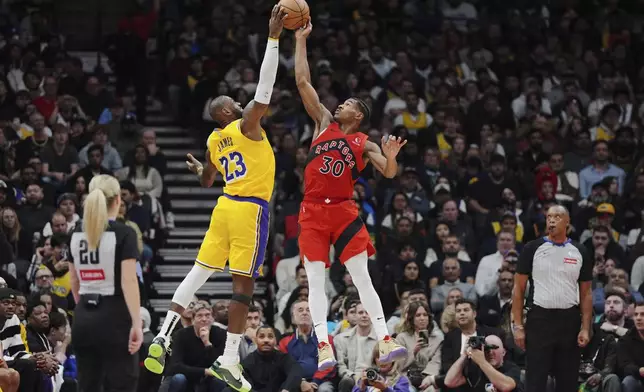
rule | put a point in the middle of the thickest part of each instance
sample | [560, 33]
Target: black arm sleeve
[524, 266]
[586, 273]
[128, 246]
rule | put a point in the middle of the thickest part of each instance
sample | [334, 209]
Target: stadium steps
[192, 206]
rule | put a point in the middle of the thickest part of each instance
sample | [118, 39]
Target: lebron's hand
[391, 146]
[194, 165]
[276, 23]
[303, 32]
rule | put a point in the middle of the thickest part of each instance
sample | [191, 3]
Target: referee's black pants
[101, 336]
[551, 348]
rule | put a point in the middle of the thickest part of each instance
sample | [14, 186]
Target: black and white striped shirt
[554, 271]
[99, 271]
[12, 344]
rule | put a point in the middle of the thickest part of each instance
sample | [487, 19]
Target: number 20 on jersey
[236, 172]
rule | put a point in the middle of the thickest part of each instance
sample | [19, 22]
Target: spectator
[34, 214]
[423, 342]
[253, 322]
[451, 274]
[600, 169]
[110, 159]
[354, 348]
[630, 354]
[491, 366]
[34, 141]
[67, 210]
[194, 350]
[60, 159]
[494, 309]
[95, 167]
[487, 272]
[20, 241]
[389, 377]
[618, 277]
[455, 343]
[302, 346]
[14, 345]
[269, 369]
[146, 178]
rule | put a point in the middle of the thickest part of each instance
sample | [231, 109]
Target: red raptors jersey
[333, 165]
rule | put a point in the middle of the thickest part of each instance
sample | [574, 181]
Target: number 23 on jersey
[233, 166]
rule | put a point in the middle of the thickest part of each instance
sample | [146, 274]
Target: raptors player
[328, 214]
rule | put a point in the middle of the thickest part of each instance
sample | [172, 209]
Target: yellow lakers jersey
[248, 166]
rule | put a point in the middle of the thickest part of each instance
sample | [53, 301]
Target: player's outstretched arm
[385, 160]
[310, 98]
[206, 174]
[254, 111]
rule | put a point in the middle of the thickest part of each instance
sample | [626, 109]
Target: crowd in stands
[508, 108]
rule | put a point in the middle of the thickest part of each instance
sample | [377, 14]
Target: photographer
[382, 377]
[482, 368]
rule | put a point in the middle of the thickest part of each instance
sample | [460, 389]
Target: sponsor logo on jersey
[92, 275]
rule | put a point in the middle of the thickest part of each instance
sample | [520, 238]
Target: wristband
[517, 327]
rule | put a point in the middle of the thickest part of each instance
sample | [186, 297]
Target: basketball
[298, 13]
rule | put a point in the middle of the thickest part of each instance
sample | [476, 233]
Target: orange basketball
[298, 13]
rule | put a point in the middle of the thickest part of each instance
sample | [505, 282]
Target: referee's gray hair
[561, 208]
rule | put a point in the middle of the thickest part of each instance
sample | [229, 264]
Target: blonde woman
[389, 377]
[423, 342]
[106, 290]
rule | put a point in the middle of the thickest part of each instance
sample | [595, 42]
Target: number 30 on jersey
[236, 172]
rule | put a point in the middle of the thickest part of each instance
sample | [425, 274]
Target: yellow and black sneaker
[159, 349]
[232, 375]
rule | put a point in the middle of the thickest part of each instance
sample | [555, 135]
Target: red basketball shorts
[323, 225]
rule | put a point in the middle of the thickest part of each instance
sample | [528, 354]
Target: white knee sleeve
[318, 303]
[191, 283]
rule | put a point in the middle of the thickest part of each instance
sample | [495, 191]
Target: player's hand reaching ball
[391, 146]
[194, 165]
[303, 32]
[276, 23]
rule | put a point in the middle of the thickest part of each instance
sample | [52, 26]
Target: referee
[107, 325]
[559, 305]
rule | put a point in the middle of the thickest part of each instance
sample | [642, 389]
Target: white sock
[318, 303]
[357, 267]
[231, 351]
[196, 278]
[170, 322]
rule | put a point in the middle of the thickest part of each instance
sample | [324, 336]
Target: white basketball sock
[358, 268]
[318, 303]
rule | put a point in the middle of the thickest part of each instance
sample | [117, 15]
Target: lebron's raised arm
[254, 111]
[310, 98]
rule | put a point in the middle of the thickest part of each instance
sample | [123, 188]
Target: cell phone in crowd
[424, 336]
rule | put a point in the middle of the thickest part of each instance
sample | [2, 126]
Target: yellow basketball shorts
[238, 234]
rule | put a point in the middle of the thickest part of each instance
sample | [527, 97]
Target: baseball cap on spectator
[442, 188]
[7, 293]
[606, 208]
